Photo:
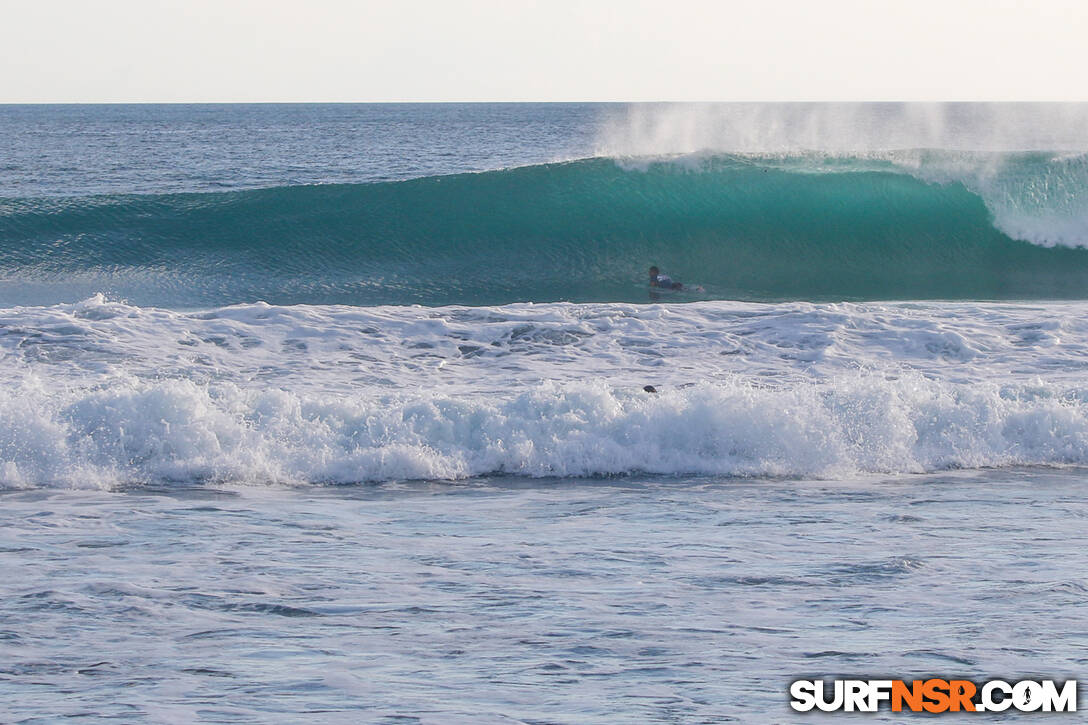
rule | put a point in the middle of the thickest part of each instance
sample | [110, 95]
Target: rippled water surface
[514, 600]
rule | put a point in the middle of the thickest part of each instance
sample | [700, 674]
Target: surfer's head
[654, 271]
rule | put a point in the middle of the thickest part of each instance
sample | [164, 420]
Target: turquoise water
[742, 227]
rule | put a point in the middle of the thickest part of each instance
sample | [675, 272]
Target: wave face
[915, 225]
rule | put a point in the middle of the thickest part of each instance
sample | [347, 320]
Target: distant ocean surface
[336, 412]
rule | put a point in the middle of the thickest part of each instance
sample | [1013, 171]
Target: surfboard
[696, 289]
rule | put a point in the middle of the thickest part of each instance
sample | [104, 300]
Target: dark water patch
[876, 571]
[838, 655]
[944, 656]
[902, 518]
[206, 672]
[279, 610]
[96, 669]
[752, 580]
[101, 544]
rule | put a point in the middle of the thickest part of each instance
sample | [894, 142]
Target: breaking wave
[906, 225]
[183, 431]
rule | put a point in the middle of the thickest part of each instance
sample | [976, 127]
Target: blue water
[335, 413]
[506, 600]
[515, 601]
[76, 150]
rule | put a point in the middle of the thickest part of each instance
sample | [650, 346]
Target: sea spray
[849, 426]
[108, 394]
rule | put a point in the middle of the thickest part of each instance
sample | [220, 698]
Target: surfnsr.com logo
[933, 696]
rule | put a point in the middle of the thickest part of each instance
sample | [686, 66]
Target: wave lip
[912, 225]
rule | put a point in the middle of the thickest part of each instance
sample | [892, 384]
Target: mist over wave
[841, 129]
[1027, 161]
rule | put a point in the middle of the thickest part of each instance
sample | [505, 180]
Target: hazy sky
[553, 50]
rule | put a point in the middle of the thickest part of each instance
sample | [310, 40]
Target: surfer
[663, 281]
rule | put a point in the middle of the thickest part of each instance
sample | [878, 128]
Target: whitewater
[343, 410]
[102, 393]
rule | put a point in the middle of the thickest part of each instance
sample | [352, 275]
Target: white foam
[105, 394]
[1042, 201]
[179, 430]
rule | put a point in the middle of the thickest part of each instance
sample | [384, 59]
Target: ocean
[337, 413]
